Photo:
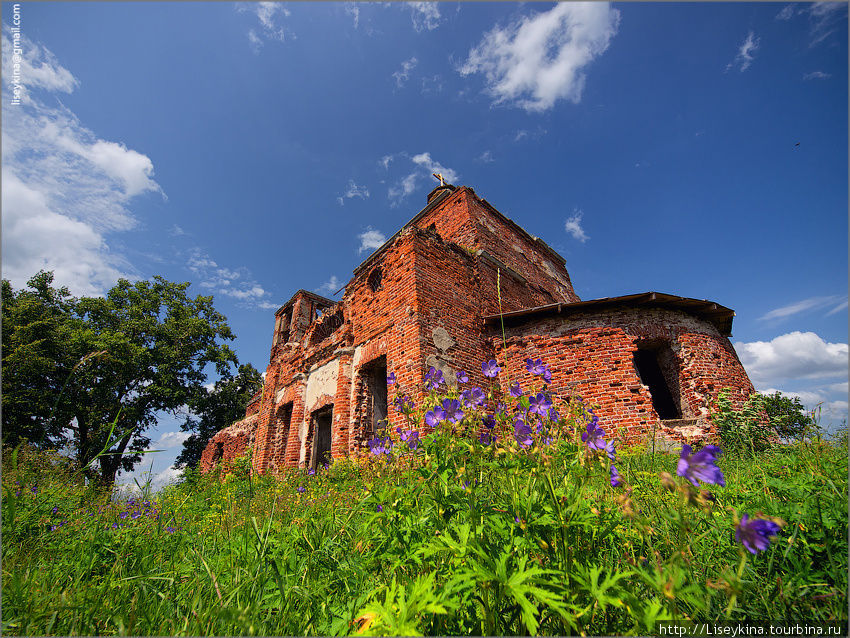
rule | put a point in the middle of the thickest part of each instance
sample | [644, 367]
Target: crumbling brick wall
[591, 356]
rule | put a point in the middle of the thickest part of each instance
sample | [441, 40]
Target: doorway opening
[322, 421]
[375, 377]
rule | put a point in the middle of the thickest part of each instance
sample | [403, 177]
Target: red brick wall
[591, 356]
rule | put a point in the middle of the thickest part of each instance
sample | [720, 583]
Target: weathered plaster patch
[449, 372]
[321, 381]
[442, 339]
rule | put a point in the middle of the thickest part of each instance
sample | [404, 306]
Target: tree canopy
[222, 405]
[787, 415]
[74, 368]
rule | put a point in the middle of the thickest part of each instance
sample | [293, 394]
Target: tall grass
[453, 538]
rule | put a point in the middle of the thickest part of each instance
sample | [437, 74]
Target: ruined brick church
[652, 362]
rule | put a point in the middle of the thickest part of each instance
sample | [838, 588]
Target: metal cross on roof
[439, 176]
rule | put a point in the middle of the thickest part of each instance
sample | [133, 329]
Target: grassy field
[454, 537]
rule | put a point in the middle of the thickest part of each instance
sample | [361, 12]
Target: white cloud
[539, 60]
[486, 157]
[166, 477]
[787, 12]
[237, 284]
[404, 74]
[330, 286]
[267, 13]
[573, 226]
[825, 18]
[745, 57]
[352, 191]
[812, 303]
[385, 161]
[795, 355]
[423, 168]
[425, 15]
[432, 84]
[64, 189]
[352, 9]
[370, 239]
[177, 231]
[170, 440]
[817, 75]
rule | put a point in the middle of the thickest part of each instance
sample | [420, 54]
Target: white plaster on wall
[321, 381]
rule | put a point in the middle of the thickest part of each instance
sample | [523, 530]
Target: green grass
[254, 556]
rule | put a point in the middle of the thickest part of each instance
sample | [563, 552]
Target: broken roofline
[447, 191]
[717, 315]
[312, 295]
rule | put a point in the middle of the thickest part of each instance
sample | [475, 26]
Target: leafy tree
[787, 415]
[213, 409]
[108, 365]
[37, 362]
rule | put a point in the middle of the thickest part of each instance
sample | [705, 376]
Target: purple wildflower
[515, 390]
[755, 533]
[522, 433]
[391, 378]
[548, 440]
[380, 446]
[547, 375]
[379, 508]
[301, 489]
[539, 427]
[500, 408]
[615, 477]
[115, 526]
[488, 421]
[402, 402]
[700, 466]
[169, 529]
[490, 368]
[34, 489]
[434, 379]
[452, 410]
[411, 437]
[553, 414]
[311, 471]
[123, 515]
[610, 451]
[539, 404]
[535, 366]
[472, 397]
[593, 436]
[433, 417]
[55, 509]
[462, 377]
[135, 515]
[516, 520]
[486, 438]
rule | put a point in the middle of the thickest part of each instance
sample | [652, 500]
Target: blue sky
[254, 149]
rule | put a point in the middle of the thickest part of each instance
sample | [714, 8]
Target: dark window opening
[375, 376]
[375, 280]
[326, 325]
[282, 326]
[656, 366]
[218, 452]
[322, 421]
[282, 423]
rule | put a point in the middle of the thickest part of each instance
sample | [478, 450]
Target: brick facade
[428, 297]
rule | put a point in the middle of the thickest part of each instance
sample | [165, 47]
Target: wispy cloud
[838, 303]
[746, 52]
[236, 283]
[423, 166]
[270, 27]
[817, 75]
[403, 75]
[787, 12]
[486, 157]
[432, 84]
[352, 9]
[64, 189]
[826, 18]
[539, 60]
[795, 355]
[352, 191]
[370, 239]
[425, 15]
[573, 226]
[330, 286]
[171, 440]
